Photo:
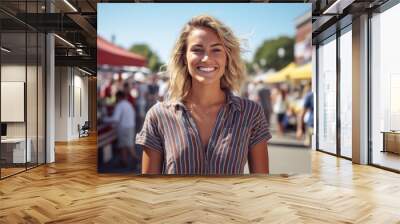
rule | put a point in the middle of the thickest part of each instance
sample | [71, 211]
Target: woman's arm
[151, 161]
[258, 158]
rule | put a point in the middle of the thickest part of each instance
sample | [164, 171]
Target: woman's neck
[205, 95]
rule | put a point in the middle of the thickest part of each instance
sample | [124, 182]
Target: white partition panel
[12, 101]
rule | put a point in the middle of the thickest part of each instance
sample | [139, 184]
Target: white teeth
[207, 69]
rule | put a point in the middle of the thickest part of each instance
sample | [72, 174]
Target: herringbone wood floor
[71, 191]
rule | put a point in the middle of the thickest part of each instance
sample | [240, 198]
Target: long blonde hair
[180, 79]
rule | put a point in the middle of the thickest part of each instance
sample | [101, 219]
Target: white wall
[13, 73]
[71, 94]
[80, 114]
[61, 103]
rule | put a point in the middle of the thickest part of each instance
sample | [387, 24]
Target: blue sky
[158, 25]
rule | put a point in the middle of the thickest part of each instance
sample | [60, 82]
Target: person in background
[152, 95]
[123, 118]
[280, 108]
[252, 93]
[163, 84]
[141, 102]
[306, 117]
[264, 97]
[127, 91]
[108, 89]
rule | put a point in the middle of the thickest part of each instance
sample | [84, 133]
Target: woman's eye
[216, 50]
[197, 50]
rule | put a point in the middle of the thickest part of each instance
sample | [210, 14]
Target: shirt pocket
[226, 137]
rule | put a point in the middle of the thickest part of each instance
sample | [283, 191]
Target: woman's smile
[206, 71]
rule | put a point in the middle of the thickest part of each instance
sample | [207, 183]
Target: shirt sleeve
[260, 127]
[150, 136]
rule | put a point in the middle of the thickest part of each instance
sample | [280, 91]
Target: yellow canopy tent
[282, 75]
[303, 72]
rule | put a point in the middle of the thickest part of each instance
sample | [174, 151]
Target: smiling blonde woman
[203, 129]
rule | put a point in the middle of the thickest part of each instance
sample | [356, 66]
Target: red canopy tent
[110, 54]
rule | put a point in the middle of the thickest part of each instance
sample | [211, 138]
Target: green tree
[250, 68]
[153, 61]
[275, 53]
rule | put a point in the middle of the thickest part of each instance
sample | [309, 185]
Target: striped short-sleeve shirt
[170, 129]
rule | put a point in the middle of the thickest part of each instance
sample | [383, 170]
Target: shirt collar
[231, 100]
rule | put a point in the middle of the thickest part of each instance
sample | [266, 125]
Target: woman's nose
[205, 57]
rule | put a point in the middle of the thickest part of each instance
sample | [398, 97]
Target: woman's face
[205, 56]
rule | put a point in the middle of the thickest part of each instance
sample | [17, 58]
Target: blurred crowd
[139, 90]
[124, 100]
[287, 107]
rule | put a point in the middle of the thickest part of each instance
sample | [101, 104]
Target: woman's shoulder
[158, 109]
[246, 105]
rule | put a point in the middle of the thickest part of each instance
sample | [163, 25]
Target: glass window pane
[346, 94]
[386, 89]
[13, 85]
[327, 96]
[23, 87]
